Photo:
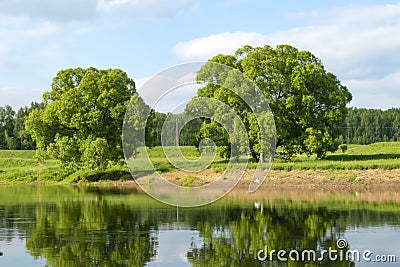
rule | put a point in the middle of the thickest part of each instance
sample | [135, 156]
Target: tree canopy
[81, 122]
[239, 120]
[308, 102]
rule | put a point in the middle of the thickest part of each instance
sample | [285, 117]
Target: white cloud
[226, 43]
[357, 43]
[349, 40]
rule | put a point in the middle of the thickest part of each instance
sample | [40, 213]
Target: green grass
[385, 155]
[373, 156]
[21, 166]
[188, 180]
[17, 166]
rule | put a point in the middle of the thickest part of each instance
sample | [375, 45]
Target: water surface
[90, 226]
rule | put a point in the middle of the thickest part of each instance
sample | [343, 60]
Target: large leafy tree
[81, 122]
[308, 102]
[236, 115]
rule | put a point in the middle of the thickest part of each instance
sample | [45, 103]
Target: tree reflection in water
[236, 240]
[93, 234]
[93, 228]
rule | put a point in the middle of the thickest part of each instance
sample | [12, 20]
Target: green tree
[81, 122]
[22, 136]
[7, 115]
[229, 100]
[154, 128]
[366, 126]
[308, 102]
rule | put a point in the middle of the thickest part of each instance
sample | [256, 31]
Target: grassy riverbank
[21, 166]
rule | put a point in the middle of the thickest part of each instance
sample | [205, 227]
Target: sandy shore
[327, 180]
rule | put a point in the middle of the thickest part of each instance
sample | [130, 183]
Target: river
[115, 226]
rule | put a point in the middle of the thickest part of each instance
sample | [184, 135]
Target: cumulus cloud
[227, 42]
[349, 43]
[358, 43]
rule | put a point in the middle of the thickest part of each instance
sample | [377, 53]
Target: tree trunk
[254, 155]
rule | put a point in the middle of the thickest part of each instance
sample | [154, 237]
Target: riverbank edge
[331, 180]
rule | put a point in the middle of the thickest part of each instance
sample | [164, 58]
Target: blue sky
[359, 41]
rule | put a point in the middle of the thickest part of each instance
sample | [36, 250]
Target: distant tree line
[13, 134]
[366, 126]
[361, 126]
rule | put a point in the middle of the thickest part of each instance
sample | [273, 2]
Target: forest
[366, 126]
[362, 126]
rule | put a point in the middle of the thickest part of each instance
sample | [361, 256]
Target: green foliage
[95, 153]
[188, 180]
[214, 131]
[81, 122]
[115, 173]
[154, 128]
[365, 126]
[157, 123]
[374, 156]
[12, 128]
[6, 126]
[233, 108]
[318, 143]
[308, 102]
[352, 178]
[343, 148]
